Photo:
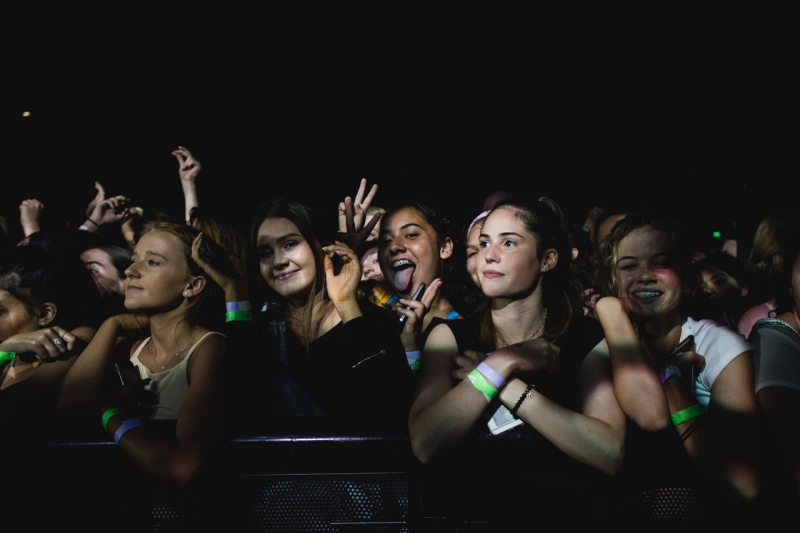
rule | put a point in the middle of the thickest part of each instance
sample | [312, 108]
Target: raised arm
[637, 385]
[188, 170]
[30, 211]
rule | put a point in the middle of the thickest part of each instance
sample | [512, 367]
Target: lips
[492, 274]
[403, 272]
[286, 275]
[647, 296]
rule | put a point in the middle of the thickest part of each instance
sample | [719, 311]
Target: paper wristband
[7, 357]
[482, 384]
[491, 375]
[238, 316]
[126, 426]
[413, 359]
[107, 416]
[684, 415]
[237, 306]
[668, 372]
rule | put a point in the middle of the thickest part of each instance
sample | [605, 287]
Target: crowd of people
[633, 352]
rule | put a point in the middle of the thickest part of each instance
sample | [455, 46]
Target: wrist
[502, 364]
[347, 310]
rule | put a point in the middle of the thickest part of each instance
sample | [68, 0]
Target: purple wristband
[126, 426]
[237, 306]
[669, 372]
[490, 374]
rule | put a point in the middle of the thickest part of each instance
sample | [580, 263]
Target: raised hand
[188, 166]
[99, 197]
[235, 288]
[342, 288]
[110, 211]
[352, 214]
[416, 311]
[29, 213]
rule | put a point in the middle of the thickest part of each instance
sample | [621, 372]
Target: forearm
[637, 385]
[83, 383]
[444, 422]
[189, 196]
[164, 458]
[584, 438]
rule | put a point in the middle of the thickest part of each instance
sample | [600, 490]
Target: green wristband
[238, 316]
[414, 364]
[684, 415]
[107, 416]
[7, 357]
[482, 384]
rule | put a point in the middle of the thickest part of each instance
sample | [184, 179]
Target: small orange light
[26, 113]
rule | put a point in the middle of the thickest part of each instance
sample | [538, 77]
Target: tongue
[402, 279]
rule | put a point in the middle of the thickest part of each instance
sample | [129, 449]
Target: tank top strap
[201, 339]
[135, 356]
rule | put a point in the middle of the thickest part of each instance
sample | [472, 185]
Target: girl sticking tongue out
[413, 247]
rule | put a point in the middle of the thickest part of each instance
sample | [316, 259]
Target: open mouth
[647, 296]
[403, 272]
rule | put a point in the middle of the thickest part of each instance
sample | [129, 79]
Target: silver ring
[58, 342]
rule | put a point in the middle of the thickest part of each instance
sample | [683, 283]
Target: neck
[170, 329]
[660, 336]
[517, 319]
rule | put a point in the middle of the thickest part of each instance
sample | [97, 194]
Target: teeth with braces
[402, 262]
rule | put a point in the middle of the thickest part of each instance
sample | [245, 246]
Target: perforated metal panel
[671, 505]
[328, 505]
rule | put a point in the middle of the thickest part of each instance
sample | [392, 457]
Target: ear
[195, 287]
[447, 249]
[549, 259]
[48, 311]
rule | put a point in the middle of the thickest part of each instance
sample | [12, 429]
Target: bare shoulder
[208, 355]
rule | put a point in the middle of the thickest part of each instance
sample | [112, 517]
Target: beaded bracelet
[525, 395]
[684, 415]
[482, 384]
[126, 426]
[108, 415]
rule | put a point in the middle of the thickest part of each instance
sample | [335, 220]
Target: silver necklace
[538, 329]
[153, 353]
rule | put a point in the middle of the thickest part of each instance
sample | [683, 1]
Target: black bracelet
[526, 394]
[691, 429]
[93, 222]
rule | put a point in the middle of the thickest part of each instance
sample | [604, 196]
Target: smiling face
[409, 251]
[508, 264]
[647, 278]
[286, 259]
[158, 275]
[105, 275]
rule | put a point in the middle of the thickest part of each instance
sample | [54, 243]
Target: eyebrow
[279, 239]
[504, 234]
[634, 258]
[150, 252]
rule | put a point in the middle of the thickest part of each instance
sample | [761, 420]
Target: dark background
[586, 108]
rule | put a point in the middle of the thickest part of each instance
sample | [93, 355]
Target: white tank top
[170, 385]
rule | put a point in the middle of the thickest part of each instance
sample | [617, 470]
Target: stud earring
[186, 293]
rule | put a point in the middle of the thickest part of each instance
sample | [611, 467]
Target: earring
[187, 293]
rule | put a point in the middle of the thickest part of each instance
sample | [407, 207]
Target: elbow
[651, 423]
[420, 448]
[183, 474]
